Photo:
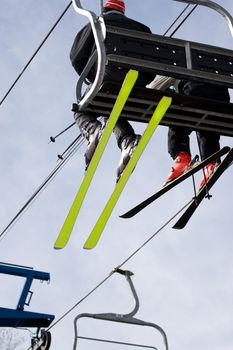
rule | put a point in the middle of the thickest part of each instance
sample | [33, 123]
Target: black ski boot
[91, 131]
[128, 146]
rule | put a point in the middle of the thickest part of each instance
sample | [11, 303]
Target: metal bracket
[42, 341]
[214, 6]
[121, 318]
[19, 317]
[29, 274]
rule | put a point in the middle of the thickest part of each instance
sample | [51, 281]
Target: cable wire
[119, 266]
[174, 22]
[182, 22]
[34, 54]
[42, 187]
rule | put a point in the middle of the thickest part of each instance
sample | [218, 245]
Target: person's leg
[178, 141]
[91, 130]
[179, 149]
[127, 141]
[209, 143]
[122, 130]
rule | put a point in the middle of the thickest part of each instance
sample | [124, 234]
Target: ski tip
[125, 216]
[226, 149]
[59, 244]
[91, 242]
[177, 227]
[57, 247]
[88, 246]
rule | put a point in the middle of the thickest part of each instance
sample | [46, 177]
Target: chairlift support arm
[99, 32]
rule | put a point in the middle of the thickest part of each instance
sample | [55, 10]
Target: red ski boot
[208, 172]
[182, 163]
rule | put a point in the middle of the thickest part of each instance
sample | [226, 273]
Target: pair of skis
[95, 235]
[204, 192]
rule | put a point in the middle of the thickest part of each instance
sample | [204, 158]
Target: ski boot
[128, 146]
[181, 164]
[92, 132]
[208, 172]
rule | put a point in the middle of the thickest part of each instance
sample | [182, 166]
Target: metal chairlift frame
[120, 318]
[99, 56]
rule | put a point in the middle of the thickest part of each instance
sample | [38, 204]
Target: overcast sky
[184, 279]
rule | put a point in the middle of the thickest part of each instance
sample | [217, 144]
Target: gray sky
[183, 278]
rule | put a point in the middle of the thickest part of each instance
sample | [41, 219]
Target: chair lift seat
[192, 112]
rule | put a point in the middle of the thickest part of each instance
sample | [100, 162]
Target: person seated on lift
[83, 47]
[208, 141]
[127, 140]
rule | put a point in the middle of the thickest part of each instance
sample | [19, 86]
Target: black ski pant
[208, 142]
[178, 141]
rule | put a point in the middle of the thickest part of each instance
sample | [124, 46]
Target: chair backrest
[168, 56]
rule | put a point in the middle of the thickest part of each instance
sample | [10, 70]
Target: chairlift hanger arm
[213, 5]
[99, 33]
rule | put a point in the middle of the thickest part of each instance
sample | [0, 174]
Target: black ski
[175, 182]
[204, 191]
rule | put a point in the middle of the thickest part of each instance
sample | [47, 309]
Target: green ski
[68, 225]
[103, 219]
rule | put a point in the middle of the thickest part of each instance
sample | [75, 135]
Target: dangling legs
[127, 141]
[91, 129]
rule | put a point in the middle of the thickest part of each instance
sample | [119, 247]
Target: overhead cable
[182, 22]
[120, 266]
[174, 22]
[34, 54]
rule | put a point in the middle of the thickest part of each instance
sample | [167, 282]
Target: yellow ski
[68, 225]
[103, 219]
